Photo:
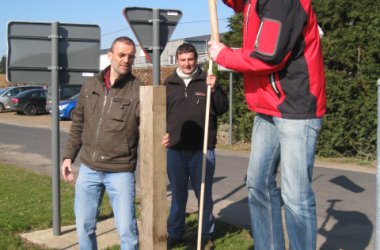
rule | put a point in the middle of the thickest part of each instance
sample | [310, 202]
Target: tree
[242, 117]
[2, 65]
[351, 54]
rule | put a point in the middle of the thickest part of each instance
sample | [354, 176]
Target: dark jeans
[184, 166]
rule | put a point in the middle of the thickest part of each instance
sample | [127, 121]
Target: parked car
[8, 93]
[66, 107]
[29, 102]
[65, 92]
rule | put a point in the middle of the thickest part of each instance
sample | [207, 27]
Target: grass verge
[246, 148]
[26, 205]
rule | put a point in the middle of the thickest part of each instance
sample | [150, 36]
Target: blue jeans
[89, 191]
[183, 165]
[289, 144]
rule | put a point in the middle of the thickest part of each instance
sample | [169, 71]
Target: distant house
[168, 55]
[103, 62]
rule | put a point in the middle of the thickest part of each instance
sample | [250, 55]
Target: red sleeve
[241, 61]
[236, 5]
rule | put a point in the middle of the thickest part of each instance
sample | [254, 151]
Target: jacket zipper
[247, 18]
[274, 86]
[99, 124]
[258, 35]
[109, 107]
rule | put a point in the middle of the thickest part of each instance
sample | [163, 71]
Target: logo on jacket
[200, 93]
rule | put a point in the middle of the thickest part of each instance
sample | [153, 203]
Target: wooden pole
[153, 177]
[214, 37]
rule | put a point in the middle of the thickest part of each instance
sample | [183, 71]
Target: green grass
[246, 147]
[26, 205]
[348, 160]
[227, 237]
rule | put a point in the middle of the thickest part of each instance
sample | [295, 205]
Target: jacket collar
[105, 73]
[175, 79]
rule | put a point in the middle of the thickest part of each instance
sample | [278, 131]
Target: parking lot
[32, 121]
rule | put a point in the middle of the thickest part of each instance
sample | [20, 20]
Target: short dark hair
[122, 39]
[186, 48]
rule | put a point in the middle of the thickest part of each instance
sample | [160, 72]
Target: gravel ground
[43, 120]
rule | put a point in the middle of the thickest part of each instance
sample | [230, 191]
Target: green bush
[351, 54]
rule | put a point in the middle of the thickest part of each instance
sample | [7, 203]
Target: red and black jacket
[281, 58]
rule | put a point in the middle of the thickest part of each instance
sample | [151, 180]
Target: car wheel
[71, 114]
[30, 110]
[1, 108]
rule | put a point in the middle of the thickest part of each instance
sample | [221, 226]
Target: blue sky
[108, 15]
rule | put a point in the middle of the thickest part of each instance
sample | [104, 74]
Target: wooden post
[153, 177]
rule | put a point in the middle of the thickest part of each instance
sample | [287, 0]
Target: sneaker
[207, 244]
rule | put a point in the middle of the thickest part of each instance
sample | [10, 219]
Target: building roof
[104, 51]
[197, 38]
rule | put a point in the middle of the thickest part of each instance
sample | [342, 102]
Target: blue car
[66, 107]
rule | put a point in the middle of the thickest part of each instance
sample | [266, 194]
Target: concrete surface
[106, 235]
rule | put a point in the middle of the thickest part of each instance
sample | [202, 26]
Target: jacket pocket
[119, 154]
[199, 98]
[92, 98]
[114, 148]
[117, 115]
[119, 108]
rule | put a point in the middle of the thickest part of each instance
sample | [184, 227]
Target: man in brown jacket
[105, 127]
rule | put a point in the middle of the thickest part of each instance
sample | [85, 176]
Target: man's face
[121, 58]
[187, 62]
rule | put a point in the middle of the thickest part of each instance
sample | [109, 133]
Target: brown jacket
[105, 125]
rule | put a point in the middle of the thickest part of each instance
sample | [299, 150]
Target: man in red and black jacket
[281, 61]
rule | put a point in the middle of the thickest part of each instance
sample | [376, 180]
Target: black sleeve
[219, 101]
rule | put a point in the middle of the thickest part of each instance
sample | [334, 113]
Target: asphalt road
[345, 198]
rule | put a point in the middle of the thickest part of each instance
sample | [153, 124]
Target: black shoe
[207, 244]
[174, 242]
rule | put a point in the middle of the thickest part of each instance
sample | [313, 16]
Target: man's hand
[166, 140]
[215, 48]
[66, 170]
[211, 80]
